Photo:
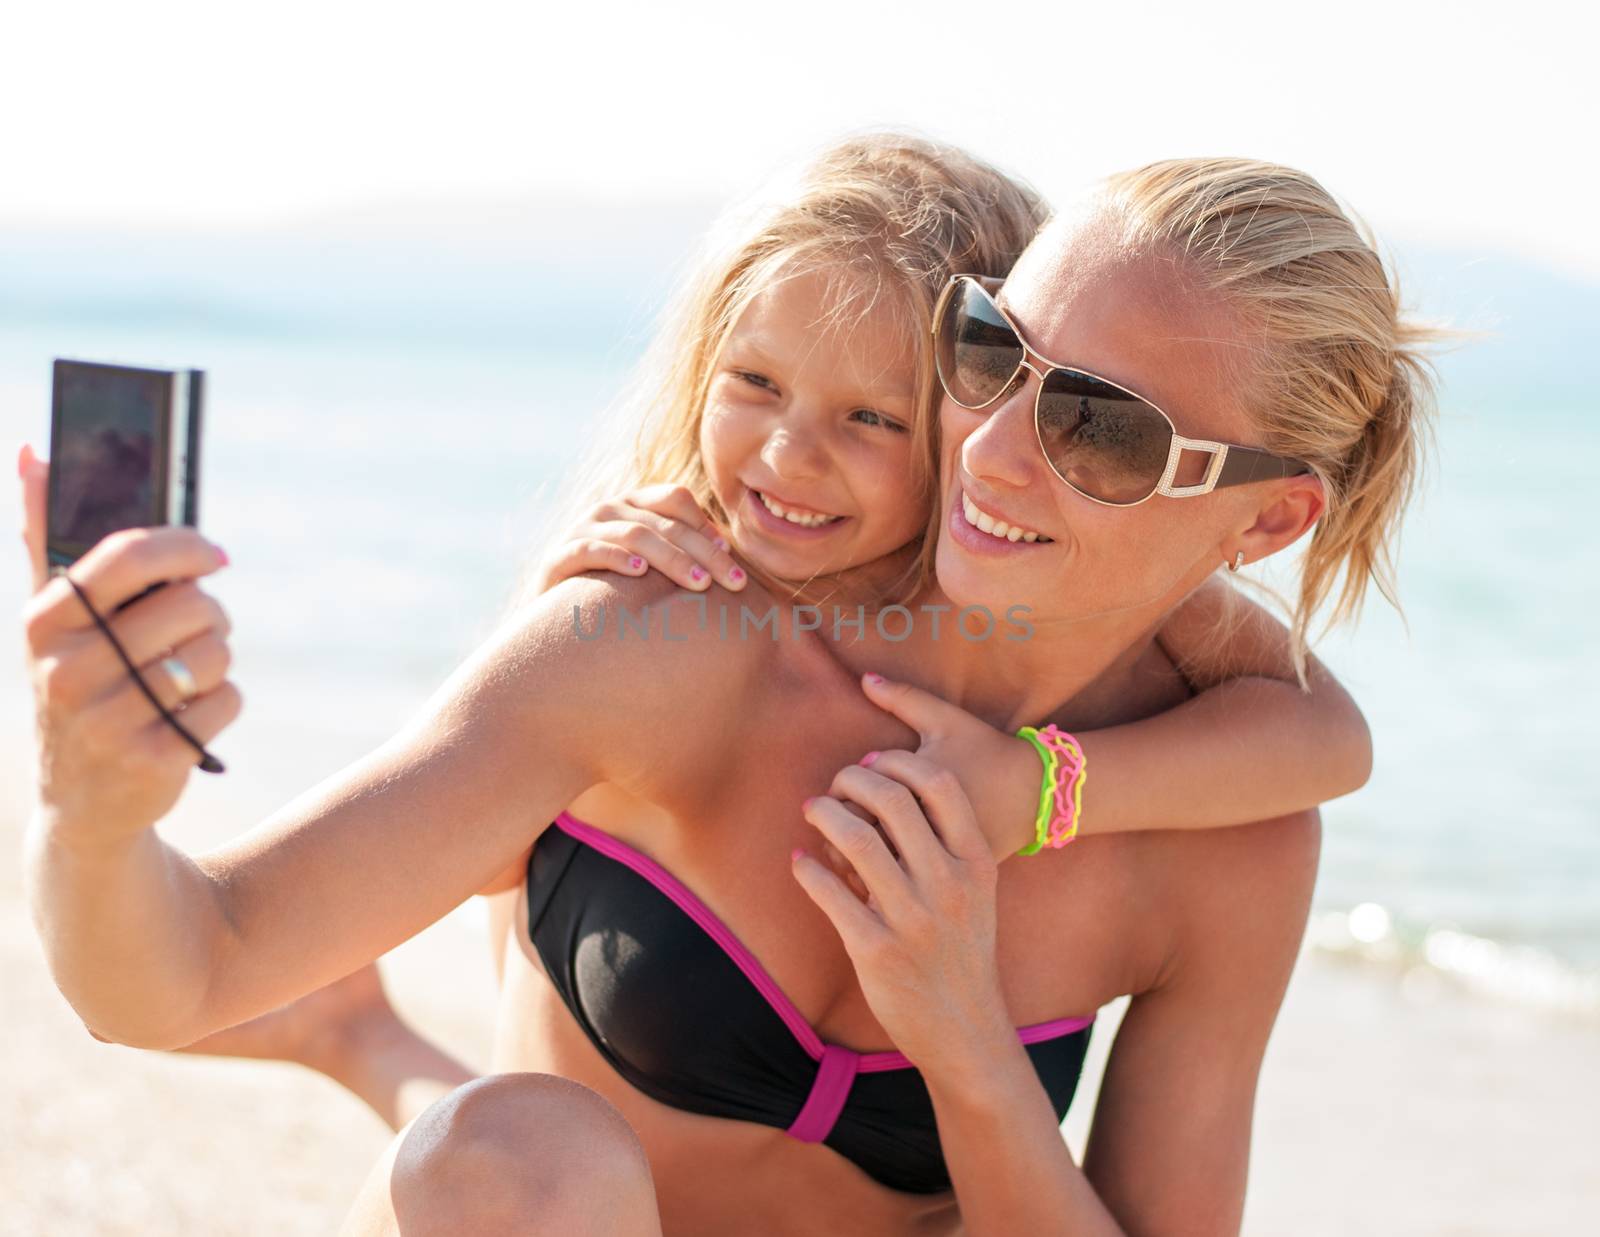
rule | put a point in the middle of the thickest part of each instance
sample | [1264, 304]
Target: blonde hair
[1336, 376]
[887, 219]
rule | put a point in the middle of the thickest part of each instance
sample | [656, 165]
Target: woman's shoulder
[624, 625]
[617, 664]
[1237, 892]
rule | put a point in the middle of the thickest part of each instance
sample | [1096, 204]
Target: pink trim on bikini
[838, 1065]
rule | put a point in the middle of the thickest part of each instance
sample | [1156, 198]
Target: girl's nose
[794, 453]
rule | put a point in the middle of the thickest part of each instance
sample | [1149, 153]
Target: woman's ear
[1288, 509]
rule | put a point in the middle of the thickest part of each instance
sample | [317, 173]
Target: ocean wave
[1423, 957]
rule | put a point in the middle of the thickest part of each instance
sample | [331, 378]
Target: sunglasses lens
[977, 351]
[1101, 440]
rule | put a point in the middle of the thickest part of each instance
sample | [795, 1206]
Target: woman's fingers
[863, 848]
[944, 803]
[118, 568]
[205, 717]
[207, 658]
[34, 475]
[894, 806]
[855, 923]
[841, 867]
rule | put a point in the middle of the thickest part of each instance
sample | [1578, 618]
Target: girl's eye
[754, 379]
[869, 416]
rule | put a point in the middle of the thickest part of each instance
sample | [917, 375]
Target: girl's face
[806, 434]
[1081, 300]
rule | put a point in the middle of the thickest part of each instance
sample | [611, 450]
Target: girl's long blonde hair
[1339, 379]
[887, 218]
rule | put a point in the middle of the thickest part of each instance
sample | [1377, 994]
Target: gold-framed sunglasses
[1106, 442]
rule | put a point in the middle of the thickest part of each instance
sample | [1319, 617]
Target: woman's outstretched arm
[155, 948]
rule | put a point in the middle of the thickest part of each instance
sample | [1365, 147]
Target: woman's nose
[1004, 448]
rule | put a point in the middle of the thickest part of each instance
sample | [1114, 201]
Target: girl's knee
[520, 1153]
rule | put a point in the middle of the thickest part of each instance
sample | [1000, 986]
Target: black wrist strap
[208, 762]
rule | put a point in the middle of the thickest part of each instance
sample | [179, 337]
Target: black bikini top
[685, 1013]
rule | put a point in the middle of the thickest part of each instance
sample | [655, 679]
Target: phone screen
[109, 453]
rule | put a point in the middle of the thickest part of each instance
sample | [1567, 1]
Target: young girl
[804, 440]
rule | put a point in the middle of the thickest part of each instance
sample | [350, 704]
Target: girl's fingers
[895, 807]
[693, 552]
[592, 554]
[855, 923]
[673, 513]
[658, 548]
[924, 712]
[863, 848]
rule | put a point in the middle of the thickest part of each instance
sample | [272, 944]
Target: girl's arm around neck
[1250, 745]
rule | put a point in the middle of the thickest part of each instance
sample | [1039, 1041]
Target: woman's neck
[1076, 673]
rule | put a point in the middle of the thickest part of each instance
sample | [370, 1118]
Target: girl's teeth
[795, 517]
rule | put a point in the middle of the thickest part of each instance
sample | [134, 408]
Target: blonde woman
[1199, 925]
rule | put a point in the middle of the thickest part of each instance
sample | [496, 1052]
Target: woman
[1201, 928]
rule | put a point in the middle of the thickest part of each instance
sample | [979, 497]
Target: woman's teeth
[994, 527]
[795, 517]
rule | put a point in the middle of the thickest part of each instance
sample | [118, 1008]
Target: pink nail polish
[796, 853]
[874, 678]
[222, 556]
[699, 573]
[636, 562]
[870, 757]
[721, 543]
[736, 574]
[806, 806]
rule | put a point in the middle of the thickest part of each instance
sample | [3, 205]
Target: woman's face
[1081, 300]
[806, 434]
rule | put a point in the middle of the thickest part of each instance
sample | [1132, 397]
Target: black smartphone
[124, 453]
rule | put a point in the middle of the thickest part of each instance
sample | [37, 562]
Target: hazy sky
[1463, 122]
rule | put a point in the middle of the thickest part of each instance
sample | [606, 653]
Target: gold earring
[1238, 561]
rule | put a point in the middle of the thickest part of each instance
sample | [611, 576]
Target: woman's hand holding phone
[658, 526]
[109, 766]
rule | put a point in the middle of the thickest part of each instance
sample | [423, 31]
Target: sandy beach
[1380, 1110]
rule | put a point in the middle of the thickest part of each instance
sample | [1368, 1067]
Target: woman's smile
[981, 532]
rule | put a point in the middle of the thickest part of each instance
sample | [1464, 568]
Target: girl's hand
[923, 942]
[1000, 773]
[658, 526]
[109, 765]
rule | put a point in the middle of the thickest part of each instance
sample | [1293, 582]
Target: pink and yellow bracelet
[1060, 789]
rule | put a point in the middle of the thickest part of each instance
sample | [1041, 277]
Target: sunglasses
[1107, 443]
